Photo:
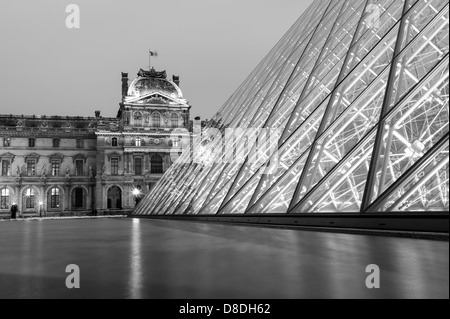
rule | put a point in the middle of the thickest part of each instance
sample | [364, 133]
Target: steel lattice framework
[359, 91]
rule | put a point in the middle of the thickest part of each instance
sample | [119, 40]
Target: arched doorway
[78, 198]
[114, 198]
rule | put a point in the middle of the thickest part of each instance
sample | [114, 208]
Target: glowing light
[136, 192]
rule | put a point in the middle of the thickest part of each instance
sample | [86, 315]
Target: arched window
[54, 198]
[4, 198]
[137, 119]
[174, 120]
[156, 164]
[29, 198]
[156, 120]
[114, 198]
[114, 142]
[138, 141]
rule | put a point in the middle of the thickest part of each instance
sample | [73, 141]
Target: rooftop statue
[152, 74]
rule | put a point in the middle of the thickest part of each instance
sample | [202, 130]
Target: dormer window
[6, 142]
[138, 141]
[114, 142]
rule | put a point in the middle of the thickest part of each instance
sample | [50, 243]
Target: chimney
[124, 84]
[176, 79]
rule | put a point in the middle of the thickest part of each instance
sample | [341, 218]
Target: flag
[153, 53]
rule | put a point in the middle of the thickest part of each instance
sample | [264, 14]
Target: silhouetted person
[13, 211]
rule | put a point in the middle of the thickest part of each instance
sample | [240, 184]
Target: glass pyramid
[357, 93]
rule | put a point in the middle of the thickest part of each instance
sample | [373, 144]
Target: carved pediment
[7, 156]
[156, 98]
[80, 157]
[114, 154]
[56, 156]
[32, 156]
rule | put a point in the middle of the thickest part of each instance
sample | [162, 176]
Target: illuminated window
[31, 167]
[54, 198]
[5, 168]
[6, 142]
[138, 141]
[55, 167]
[29, 198]
[4, 198]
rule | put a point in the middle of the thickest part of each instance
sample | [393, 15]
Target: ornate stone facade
[77, 165]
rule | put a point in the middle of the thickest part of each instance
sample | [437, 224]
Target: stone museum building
[73, 165]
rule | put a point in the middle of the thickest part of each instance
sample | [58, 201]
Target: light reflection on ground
[131, 258]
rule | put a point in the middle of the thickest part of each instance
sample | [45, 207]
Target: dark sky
[213, 45]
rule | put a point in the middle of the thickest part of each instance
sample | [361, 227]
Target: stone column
[18, 199]
[130, 164]
[98, 194]
[105, 197]
[146, 162]
[67, 201]
[125, 163]
[126, 190]
[89, 204]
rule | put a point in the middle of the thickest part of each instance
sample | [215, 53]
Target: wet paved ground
[131, 258]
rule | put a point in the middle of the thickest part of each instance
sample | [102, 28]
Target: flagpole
[149, 60]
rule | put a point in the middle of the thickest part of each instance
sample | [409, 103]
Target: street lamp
[136, 192]
[41, 206]
[137, 195]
